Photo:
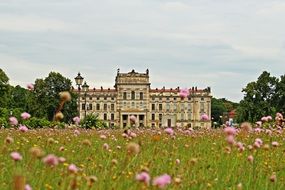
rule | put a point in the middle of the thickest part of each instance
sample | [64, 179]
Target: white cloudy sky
[219, 43]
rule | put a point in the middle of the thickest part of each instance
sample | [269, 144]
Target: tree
[218, 108]
[46, 93]
[279, 97]
[258, 99]
[4, 89]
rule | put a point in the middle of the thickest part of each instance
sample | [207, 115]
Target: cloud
[17, 23]
[175, 6]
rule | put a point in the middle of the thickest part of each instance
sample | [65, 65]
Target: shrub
[92, 121]
[37, 123]
[3, 122]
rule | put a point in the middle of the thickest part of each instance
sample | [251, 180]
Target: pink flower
[25, 116]
[132, 134]
[250, 158]
[13, 121]
[230, 131]
[258, 123]
[177, 161]
[51, 160]
[30, 87]
[259, 141]
[28, 187]
[76, 132]
[16, 156]
[23, 128]
[162, 181]
[204, 117]
[72, 168]
[169, 131]
[184, 93]
[103, 137]
[257, 130]
[106, 146]
[143, 177]
[264, 119]
[76, 120]
[269, 118]
[133, 119]
[230, 139]
[61, 159]
[275, 144]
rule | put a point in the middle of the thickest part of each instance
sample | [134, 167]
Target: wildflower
[143, 177]
[36, 152]
[250, 158]
[177, 161]
[230, 139]
[273, 177]
[30, 87]
[65, 96]
[132, 134]
[28, 187]
[230, 131]
[184, 93]
[103, 137]
[16, 156]
[169, 131]
[61, 159]
[264, 119]
[9, 140]
[76, 132]
[114, 161]
[258, 123]
[269, 118]
[76, 120]
[204, 117]
[259, 141]
[91, 180]
[162, 181]
[25, 116]
[72, 168]
[275, 144]
[106, 146]
[59, 116]
[133, 119]
[246, 126]
[86, 142]
[13, 121]
[23, 128]
[133, 148]
[51, 160]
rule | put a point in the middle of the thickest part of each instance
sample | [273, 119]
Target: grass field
[106, 160]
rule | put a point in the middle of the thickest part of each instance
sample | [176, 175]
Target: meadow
[73, 158]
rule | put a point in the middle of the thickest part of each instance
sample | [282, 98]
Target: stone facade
[132, 95]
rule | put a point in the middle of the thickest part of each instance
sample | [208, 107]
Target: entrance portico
[125, 119]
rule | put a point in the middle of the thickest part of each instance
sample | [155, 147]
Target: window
[125, 95]
[202, 107]
[202, 98]
[105, 98]
[153, 117]
[174, 106]
[160, 117]
[112, 107]
[167, 106]
[112, 117]
[90, 106]
[133, 95]
[141, 95]
[112, 98]
[105, 116]
[133, 104]
[160, 107]
[98, 98]
[174, 99]
[83, 107]
[105, 107]
[97, 106]
[152, 107]
[182, 116]
[182, 106]
[153, 98]
[90, 97]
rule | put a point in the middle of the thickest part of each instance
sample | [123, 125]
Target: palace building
[133, 95]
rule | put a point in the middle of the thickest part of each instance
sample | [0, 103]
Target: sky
[224, 44]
